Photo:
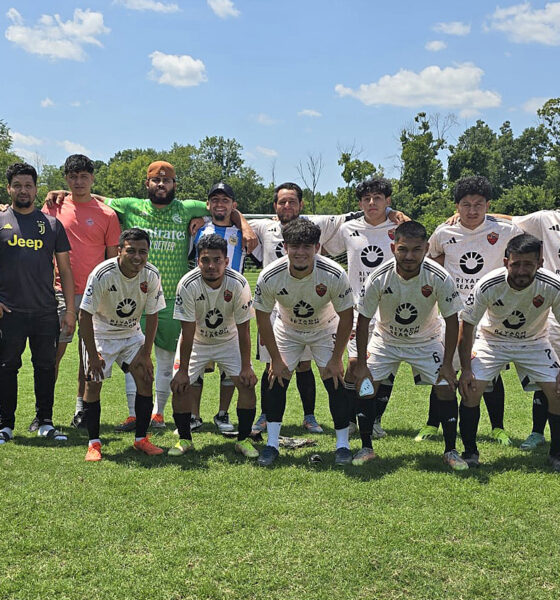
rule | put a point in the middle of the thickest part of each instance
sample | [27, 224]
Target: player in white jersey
[469, 249]
[367, 242]
[512, 305]
[118, 292]
[406, 293]
[214, 306]
[314, 301]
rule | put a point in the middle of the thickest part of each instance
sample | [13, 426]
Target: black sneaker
[554, 462]
[472, 459]
[78, 421]
[268, 455]
[34, 425]
[343, 456]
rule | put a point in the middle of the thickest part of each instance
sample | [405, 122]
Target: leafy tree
[354, 171]
[7, 158]
[522, 200]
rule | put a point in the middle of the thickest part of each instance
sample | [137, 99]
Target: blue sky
[285, 78]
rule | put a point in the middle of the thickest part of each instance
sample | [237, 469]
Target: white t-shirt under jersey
[408, 308]
[217, 312]
[307, 304]
[117, 302]
[507, 315]
[544, 225]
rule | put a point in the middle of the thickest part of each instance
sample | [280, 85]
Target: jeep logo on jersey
[228, 296]
[144, 287]
[538, 301]
[471, 262]
[125, 308]
[492, 237]
[391, 233]
[406, 313]
[427, 291]
[213, 319]
[321, 289]
[303, 310]
[372, 256]
[279, 250]
[515, 321]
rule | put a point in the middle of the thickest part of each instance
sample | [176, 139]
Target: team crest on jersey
[41, 225]
[427, 291]
[144, 287]
[492, 237]
[177, 219]
[233, 240]
[538, 301]
[228, 296]
[391, 233]
[321, 289]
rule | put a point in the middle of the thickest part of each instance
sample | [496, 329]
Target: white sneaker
[223, 423]
[6, 434]
[48, 431]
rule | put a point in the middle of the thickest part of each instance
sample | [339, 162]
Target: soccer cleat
[343, 456]
[554, 462]
[453, 459]
[6, 434]
[310, 423]
[157, 421]
[426, 433]
[532, 442]
[93, 453]
[472, 460]
[78, 421]
[377, 432]
[247, 449]
[363, 456]
[352, 428]
[500, 436]
[34, 425]
[181, 447]
[267, 456]
[144, 445]
[129, 424]
[223, 423]
[50, 433]
[196, 423]
[259, 426]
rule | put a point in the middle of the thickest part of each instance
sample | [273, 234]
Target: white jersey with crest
[507, 315]
[307, 304]
[271, 241]
[217, 312]
[367, 247]
[408, 308]
[472, 253]
[117, 302]
[544, 225]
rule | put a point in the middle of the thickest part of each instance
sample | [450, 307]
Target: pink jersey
[91, 227]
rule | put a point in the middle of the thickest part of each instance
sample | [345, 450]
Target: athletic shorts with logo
[115, 350]
[262, 353]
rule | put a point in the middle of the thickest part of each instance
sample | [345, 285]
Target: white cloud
[309, 112]
[266, 151]
[20, 139]
[46, 102]
[161, 7]
[524, 25]
[177, 70]
[534, 103]
[453, 28]
[73, 147]
[450, 87]
[57, 39]
[223, 8]
[435, 46]
[76, 103]
[264, 119]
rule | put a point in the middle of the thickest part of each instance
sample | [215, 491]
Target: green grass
[213, 525]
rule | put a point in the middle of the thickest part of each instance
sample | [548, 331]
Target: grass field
[213, 525]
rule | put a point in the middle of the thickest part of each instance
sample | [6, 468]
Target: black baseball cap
[224, 188]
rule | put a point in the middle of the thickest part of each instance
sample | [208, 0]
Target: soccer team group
[473, 298]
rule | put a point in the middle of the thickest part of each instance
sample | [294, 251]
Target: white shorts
[384, 361]
[535, 362]
[352, 348]
[262, 353]
[115, 350]
[225, 355]
[554, 334]
[292, 344]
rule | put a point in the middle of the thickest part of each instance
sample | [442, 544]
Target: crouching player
[512, 305]
[117, 292]
[315, 309]
[214, 305]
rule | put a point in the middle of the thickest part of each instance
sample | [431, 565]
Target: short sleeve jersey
[169, 233]
[367, 247]
[91, 227]
[217, 312]
[234, 240]
[507, 315]
[28, 243]
[472, 253]
[544, 225]
[408, 308]
[306, 304]
[117, 302]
